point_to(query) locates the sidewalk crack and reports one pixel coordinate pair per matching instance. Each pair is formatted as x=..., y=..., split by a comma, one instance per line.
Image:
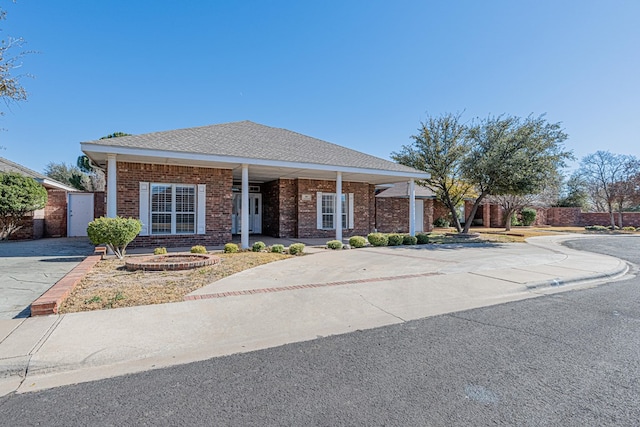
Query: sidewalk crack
x=382, y=309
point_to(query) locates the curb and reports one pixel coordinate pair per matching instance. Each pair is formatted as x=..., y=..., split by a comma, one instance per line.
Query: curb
x=49, y=302
x=609, y=275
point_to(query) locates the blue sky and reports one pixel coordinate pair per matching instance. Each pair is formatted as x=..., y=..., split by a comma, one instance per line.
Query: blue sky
x=359, y=73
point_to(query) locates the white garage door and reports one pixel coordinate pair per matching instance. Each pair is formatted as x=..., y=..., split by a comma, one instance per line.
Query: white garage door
x=80, y=213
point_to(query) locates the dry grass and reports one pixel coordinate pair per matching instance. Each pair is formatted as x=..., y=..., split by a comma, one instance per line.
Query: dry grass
x=110, y=285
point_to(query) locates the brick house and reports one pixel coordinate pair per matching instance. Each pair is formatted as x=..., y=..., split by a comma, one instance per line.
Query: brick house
x=50, y=221
x=202, y=185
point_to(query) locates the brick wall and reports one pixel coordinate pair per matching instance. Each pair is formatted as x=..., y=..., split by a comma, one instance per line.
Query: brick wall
x=218, y=200
x=99, y=204
x=392, y=215
x=55, y=214
x=363, y=194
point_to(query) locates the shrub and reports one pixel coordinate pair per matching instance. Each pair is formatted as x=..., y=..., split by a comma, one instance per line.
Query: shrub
x=378, y=239
x=279, y=249
x=629, y=228
x=116, y=233
x=357, y=241
x=595, y=228
x=395, y=239
x=422, y=238
x=198, y=249
x=160, y=251
x=334, y=244
x=19, y=195
x=441, y=222
x=258, y=247
x=528, y=216
x=296, y=249
x=409, y=240
x=514, y=220
x=230, y=248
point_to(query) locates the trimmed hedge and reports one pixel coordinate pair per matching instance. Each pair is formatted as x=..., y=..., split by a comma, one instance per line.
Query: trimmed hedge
x=230, y=248
x=334, y=244
x=409, y=240
x=296, y=249
x=258, y=247
x=278, y=249
x=378, y=239
x=198, y=249
x=422, y=238
x=395, y=239
x=357, y=242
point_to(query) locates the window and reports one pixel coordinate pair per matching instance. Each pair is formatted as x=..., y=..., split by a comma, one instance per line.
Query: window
x=327, y=211
x=173, y=209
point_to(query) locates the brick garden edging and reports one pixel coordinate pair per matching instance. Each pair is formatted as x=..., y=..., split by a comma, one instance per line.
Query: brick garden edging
x=50, y=301
x=309, y=286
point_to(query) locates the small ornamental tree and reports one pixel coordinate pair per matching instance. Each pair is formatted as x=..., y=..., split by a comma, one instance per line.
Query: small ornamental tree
x=19, y=195
x=116, y=233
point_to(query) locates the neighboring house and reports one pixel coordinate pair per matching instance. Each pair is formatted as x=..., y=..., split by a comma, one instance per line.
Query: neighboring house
x=392, y=208
x=201, y=185
x=50, y=221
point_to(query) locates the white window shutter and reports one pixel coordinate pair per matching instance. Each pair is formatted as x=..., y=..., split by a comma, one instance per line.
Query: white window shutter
x=319, y=210
x=144, y=208
x=201, y=209
x=350, y=207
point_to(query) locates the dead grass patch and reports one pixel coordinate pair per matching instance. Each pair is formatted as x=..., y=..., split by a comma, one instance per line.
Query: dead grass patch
x=110, y=285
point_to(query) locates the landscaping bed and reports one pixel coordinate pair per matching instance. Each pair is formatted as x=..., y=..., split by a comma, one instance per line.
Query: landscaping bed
x=110, y=285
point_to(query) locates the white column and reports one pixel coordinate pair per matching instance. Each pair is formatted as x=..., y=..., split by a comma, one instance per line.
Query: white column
x=244, y=220
x=339, y=206
x=112, y=187
x=412, y=207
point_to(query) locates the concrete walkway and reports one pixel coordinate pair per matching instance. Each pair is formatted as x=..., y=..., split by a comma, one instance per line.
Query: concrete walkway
x=299, y=299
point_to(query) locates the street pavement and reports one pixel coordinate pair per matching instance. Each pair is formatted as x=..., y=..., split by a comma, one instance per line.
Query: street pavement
x=327, y=293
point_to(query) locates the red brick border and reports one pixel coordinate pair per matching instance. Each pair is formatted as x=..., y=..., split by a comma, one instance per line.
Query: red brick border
x=309, y=286
x=50, y=301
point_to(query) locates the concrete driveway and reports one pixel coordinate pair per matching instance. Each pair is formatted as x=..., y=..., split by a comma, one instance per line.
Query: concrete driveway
x=29, y=268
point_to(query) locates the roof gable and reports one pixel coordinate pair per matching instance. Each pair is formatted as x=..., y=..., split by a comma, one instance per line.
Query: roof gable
x=7, y=166
x=247, y=139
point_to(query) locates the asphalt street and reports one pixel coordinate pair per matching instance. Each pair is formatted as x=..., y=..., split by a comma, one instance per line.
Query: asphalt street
x=570, y=358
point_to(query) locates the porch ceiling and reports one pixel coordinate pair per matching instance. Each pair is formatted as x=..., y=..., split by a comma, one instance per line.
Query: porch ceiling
x=259, y=170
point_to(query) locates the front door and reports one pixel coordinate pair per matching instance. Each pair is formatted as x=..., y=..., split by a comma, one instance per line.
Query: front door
x=255, y=213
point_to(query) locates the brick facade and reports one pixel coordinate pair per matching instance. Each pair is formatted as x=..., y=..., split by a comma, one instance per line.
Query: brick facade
x=48, y=222
x=392, y=215
x=218, y=200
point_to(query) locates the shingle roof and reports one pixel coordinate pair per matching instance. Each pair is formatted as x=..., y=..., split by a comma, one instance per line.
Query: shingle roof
x=255, y=141
x=8, y=166
x=401, y=190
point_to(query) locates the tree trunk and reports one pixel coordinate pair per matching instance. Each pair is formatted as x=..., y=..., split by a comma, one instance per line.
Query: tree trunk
x=507, y=223
x=611, y=217
x=472, y=214
x=620, y=218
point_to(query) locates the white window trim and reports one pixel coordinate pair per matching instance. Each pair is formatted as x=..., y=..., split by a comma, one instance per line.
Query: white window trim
x=145, y=209
x=349, y=211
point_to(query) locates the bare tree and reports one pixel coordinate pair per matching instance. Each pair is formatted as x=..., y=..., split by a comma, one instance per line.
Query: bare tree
x=604, y=172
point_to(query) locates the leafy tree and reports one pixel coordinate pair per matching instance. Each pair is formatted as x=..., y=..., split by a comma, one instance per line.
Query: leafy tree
x=116, y=135
x=19, y=195
x=95, y=175
x=67, y=174
x=116, y=233
x=607, y=177
x=439, y=149
x=574, y=194
x=512, y=156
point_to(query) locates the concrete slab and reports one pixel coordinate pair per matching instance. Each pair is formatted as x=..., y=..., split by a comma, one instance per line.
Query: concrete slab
x=26, y=338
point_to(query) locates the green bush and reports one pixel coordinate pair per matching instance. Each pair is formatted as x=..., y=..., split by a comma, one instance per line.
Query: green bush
x=258, y=247
x=279, y=249
x=230, y=248
x=422, y=238
x=441, y=222
x=334, y=244
x=515, y=222
x=19, y=195
x=629, y=228
x=378, y=239
x=395, y=239
x=116, y=233
x=528, y=216
x=198, y=249
x=409, y=240
x=357, y=241
x=296, y=249
x=160, y=251
x=596, y=228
